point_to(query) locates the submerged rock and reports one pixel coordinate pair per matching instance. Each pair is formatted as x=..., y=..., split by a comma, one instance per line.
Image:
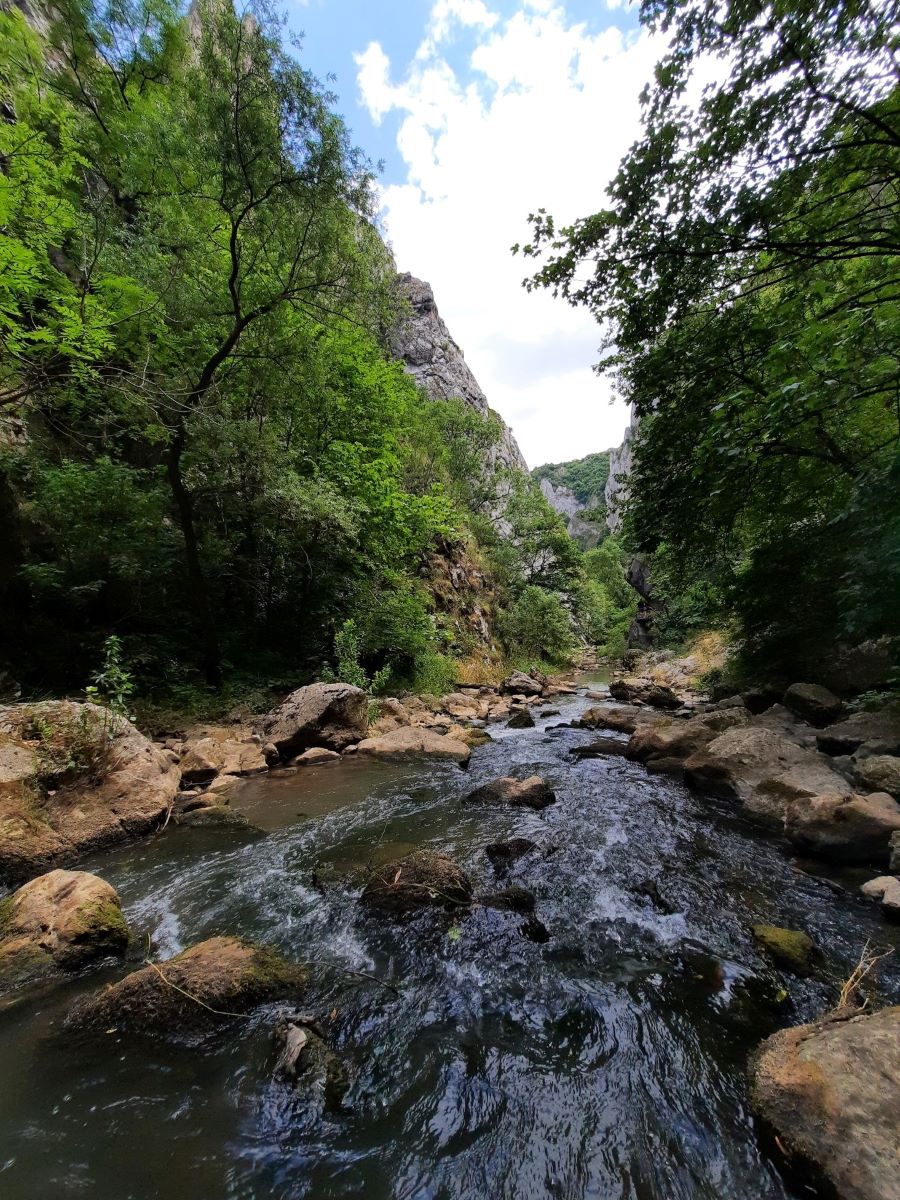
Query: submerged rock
x=831, y=1091
x=203, y=986
x=512, y=899
x=607, y=747
x=74, y=778
x=521, y=720
x=63, y=920
x=532, y=792
x=813, y=703
x=333, y=715
x=503, y=854
x=415, y=743
x=216, y=816
x=789, y=948
x=423, y=879
x=844, y=828
x=306, y=1059
x=886, y=889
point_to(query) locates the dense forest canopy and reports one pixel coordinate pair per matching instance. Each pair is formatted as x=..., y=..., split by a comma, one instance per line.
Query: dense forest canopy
x=207, y=449
x=746, y=273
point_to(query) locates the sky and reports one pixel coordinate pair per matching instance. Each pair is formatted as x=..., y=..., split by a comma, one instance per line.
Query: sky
x=482, y=111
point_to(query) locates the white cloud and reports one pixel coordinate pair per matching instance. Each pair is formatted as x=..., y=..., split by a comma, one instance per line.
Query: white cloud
x=541, y=119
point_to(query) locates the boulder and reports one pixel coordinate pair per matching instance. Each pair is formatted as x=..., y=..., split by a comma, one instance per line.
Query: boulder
x=510, y=899
x=813, y=703
x=894, y=862
x=831, y=1091
x=215, y=816
x=423, y=879
x=844, y=828
x=532, y=792
x=865, y=667
x=206, y=757
x=415, y=743
x=789, y=948
x=63, y=920
x=680, y=739
x=333, y=715
x=878, y=731
x=200, y=988
x=315, y=757
x=503, y=854
x=525, y=685
x=624, y=718
x=521, y=720
x=606, y=747
x=879, y=773
x=90, y=780
x=886, y=889
x=633, y=688
x=763, y=770
x=305, y=1059
x=469, y=736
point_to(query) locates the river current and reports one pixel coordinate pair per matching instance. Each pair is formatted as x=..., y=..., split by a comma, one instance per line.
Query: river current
x=606, y=1062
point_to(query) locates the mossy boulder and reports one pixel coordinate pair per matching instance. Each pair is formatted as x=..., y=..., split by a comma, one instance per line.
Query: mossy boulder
x=423, y=879
x=791, y=949
x=61, y=921
x=521, y=720
x=202, y=987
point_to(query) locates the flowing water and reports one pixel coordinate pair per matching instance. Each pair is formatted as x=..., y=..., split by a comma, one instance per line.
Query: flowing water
x=606, y=1062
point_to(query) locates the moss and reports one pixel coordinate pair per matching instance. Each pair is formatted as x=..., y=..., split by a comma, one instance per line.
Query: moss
x=20, y=963
x=271, y=975
x=789, y=948
x=5, y=913
x=103, y=921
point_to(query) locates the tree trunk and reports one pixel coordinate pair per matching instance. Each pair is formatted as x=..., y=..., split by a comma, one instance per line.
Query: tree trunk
x=200, y=597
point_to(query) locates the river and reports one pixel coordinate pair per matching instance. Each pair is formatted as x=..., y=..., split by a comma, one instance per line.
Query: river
x=606, y=1062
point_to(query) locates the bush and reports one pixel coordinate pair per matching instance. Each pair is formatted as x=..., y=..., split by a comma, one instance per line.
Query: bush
x=538, y=625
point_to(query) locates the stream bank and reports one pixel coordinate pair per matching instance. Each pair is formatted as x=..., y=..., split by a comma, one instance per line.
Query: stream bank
x=608, y=1061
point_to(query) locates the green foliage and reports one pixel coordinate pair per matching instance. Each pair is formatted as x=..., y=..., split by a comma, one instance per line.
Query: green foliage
x=538, y=625
x=434, y=674
x=746, y=273
x=112, y=686
x=586, y=477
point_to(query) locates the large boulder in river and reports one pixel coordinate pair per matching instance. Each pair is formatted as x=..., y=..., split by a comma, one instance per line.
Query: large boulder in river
x=763, y=770
x=520, y=684
x=813, y=703
x=73, y=778
x=423, y=879
x=680, y=739
x=201, y=987
x=831, y=1091
x=850, y=829
x=532, y=792
x=879, y=773
x=415, y=742
x=633, y=689
x=62, y=920
x=333, y=715
x=220, y=752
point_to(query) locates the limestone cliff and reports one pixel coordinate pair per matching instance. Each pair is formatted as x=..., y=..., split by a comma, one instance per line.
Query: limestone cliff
x=423, y=342
x=620, y=461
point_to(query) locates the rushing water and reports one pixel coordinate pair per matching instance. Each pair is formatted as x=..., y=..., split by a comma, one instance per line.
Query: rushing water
x=606, y=1062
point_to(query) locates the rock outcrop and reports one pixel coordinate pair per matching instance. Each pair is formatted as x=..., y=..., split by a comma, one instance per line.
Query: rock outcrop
x=423, y=342
x=61, y=921
x=202, y=987
x=73, y=778
x=331, y=715
x=831, y=1091
x=844, y=828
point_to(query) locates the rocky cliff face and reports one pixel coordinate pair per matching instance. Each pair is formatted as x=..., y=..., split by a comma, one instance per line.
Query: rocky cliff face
x=620, y=461
x=423, y=342
x=561, y=498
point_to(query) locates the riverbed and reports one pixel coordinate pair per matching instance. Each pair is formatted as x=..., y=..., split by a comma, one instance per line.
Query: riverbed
x=605, y=1061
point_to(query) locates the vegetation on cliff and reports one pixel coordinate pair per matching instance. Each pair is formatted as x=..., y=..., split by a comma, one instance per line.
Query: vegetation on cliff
x=206, y=447
x=747, y=270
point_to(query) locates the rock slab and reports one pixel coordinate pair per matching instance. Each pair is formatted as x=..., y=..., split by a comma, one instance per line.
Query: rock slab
x=331, y=715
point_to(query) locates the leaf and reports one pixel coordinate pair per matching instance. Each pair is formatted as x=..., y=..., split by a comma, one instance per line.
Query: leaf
x=454, y=933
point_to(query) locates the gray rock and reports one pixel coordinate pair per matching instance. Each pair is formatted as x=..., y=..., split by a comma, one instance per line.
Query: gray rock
x=532, y=792
x=521, y=720
x=852, y=829
x=877, y=730
x=879, y=773
x=831, y=1091
x=415, y=742
x=518, y=683
x=332, y=715
x=886, y=889
x=813, y=703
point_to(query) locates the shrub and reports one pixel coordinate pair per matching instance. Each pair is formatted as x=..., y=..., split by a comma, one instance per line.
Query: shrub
x=538, y=625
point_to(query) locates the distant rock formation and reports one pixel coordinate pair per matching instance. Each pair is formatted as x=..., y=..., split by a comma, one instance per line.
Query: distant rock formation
x=423, y=342
x=587, y=533
x=620, y=463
